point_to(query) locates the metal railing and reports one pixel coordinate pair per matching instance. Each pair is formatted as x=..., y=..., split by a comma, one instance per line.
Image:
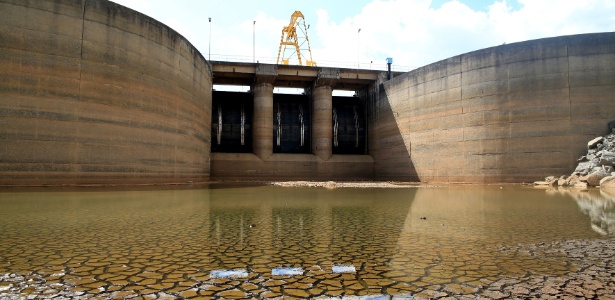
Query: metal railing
x=321, y=63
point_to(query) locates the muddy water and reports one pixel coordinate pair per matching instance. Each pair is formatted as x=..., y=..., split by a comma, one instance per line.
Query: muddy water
x=262, y=242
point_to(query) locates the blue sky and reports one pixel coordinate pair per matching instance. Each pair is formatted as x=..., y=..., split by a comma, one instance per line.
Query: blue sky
x=413, y=32
x=478, y=5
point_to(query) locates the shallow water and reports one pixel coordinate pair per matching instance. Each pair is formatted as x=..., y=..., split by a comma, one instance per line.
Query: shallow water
x=236, y=241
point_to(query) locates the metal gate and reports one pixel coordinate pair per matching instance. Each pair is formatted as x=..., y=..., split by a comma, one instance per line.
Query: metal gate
x=348, y=126
x=292, y=121
x=231, y=128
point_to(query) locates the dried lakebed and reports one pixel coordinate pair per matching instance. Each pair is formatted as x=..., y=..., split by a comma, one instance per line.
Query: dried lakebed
x=593, y=261
x=224, y=242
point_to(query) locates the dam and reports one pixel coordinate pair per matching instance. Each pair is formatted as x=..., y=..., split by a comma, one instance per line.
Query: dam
x=95, y=93
x=314, y=135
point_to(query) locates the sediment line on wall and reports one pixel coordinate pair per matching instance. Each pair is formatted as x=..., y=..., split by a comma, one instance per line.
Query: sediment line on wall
x=81, y=50
x=101, y=122
x=568, y=77
x=512, y=113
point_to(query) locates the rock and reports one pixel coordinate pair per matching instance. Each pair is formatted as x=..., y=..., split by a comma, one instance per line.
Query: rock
x=573, y=179
x=583, y=167
x=545, y=183
x=607, y=158
x=550, y=181
x=608, y=182
x=593, y=179
x=594, y=143
x=330, y=184
x=596, y=164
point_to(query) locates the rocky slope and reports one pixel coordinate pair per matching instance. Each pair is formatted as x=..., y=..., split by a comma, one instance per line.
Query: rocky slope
x=596, y=168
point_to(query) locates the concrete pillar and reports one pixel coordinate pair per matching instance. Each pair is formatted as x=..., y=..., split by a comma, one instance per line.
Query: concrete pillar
x=322, y=127
x=262, y=132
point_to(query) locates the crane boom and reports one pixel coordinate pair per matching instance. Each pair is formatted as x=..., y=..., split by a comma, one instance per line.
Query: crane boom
x=294, y=36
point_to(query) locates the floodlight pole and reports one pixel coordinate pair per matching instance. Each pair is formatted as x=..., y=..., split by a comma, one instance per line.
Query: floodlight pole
x=209, y=40
x=358, y=44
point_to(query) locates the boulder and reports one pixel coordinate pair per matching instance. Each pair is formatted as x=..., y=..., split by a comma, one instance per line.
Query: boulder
x=593, y=179
x=573, y=179
x=596, y=164
x=550, y=181
x=583, y=167
x=607, y=158
x=607, y=182
x=594, y=143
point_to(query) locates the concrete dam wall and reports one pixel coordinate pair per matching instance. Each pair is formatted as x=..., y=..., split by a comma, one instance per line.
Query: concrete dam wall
x=289, y=146
x=93, y=92
x=511, y=113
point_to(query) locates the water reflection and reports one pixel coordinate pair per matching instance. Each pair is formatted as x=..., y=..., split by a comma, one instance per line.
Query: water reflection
x=599, y=205
x=307, y=227
x=263, y=242
x=490, y=214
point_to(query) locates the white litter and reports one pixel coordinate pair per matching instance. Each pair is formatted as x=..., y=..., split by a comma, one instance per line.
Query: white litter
x=286, y=271
x=344, y=269
x=237, y=273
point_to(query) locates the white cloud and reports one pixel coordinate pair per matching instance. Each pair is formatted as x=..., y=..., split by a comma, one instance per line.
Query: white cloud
x=410, y=31
x=415, y=34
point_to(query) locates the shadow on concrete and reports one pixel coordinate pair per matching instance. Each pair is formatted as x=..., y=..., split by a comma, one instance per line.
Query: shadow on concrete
x=392, y=154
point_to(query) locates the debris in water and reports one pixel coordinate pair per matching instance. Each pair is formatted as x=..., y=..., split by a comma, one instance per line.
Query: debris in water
x=344, y=269
x=286, y=271
x=237, y=273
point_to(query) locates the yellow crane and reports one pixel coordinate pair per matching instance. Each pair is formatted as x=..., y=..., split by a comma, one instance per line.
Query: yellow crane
x=296, y=42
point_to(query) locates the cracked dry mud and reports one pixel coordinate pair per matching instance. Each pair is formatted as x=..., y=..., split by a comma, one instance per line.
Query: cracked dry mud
x=181, y=246
x=589, y=273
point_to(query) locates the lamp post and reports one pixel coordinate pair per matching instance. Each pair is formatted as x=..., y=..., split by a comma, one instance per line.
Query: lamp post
x=209, y=40
x=254, y=42
x=358, y=45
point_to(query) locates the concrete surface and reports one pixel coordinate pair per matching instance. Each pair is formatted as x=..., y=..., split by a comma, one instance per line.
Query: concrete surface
x=512, y=113
x=93, y=92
